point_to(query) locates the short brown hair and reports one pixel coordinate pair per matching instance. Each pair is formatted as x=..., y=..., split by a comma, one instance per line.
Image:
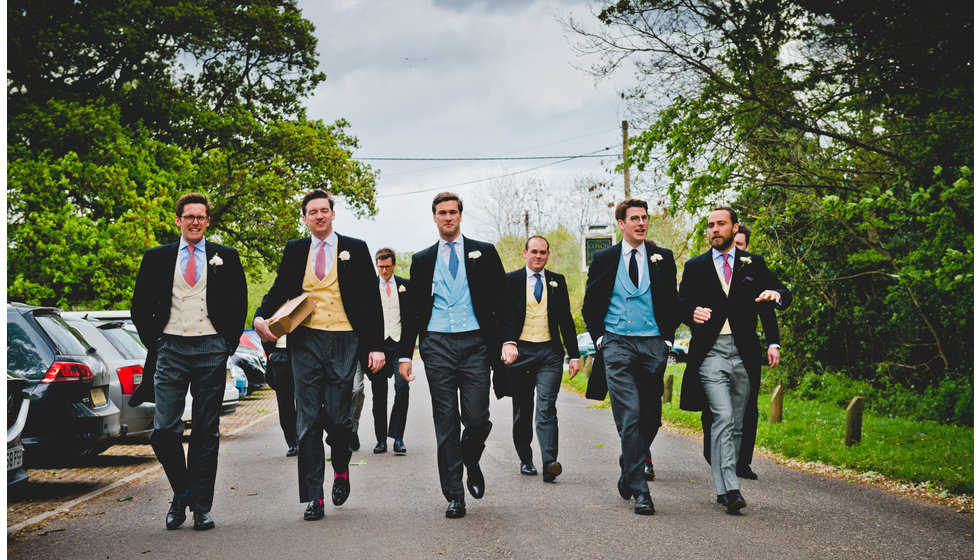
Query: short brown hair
x=444, y=197
x=315, y=194
x=731, y=214
x=193, y=198
x=746, y=231
x=547, y=245
x=385, y=253
x=625, y=205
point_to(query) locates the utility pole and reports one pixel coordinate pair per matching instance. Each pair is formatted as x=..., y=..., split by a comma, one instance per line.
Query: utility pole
x=626, y=162
x=527, y=225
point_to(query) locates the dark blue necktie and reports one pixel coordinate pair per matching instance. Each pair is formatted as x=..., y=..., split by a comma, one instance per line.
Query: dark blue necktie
x=538, y=286
x=634, y=270
x=453, y=259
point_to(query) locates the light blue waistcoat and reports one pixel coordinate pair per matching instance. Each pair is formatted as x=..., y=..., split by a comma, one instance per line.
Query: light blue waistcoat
x=452, y=308
x=630, y=308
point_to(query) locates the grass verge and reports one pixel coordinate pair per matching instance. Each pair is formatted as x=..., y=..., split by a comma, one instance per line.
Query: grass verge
x=922, y=452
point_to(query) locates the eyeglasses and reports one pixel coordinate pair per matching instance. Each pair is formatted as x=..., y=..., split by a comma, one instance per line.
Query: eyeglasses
x=638, y=219
x=192, y=219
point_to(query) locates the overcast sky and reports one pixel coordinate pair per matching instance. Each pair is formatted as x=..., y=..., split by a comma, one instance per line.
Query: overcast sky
x=441, y=78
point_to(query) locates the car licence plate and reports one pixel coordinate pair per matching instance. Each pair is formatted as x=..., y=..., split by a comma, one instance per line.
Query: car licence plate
x=98, y=396
x=15, y=458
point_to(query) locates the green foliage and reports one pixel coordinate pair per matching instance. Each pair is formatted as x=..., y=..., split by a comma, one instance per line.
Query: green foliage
x=918, y=451
x=115, y=109
x=843, y=134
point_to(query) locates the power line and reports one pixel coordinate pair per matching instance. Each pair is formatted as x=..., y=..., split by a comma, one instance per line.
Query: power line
x=476, y=158
x=567, y=158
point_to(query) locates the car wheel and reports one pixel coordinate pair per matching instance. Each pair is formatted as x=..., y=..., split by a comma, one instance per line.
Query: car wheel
x=671, y=359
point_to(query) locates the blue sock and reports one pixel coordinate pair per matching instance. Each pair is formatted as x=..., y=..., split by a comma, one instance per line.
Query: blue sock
x=398, y=440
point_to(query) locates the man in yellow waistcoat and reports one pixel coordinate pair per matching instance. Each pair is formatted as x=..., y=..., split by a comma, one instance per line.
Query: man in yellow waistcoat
x=345, y=327
x=538, y=319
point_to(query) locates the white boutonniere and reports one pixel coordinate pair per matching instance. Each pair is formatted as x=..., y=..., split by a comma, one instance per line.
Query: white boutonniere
x=474, y=254
x=402, y=289
x=745, y=260
x=344, y=255
x=553, y=284
x=656, y=257
x=215, y=262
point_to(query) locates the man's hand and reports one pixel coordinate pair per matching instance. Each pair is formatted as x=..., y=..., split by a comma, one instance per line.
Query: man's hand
x=262, y=327
x=508, y=352
x=573, y=367
x=376, y=361
x=405, y=370
x=701, y=314
x=773, y=354
x=769, y=295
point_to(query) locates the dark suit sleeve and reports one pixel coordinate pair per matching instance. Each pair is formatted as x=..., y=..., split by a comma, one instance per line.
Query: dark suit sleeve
x=279, y=292
x=496, y=278
x=371, y=316
x=667, y=299
x=686, y=295
x=566, y=325
x=238, y=296
x=770, y=282
x=769, y=325
x=414, y=298
x=507, y=316
x=594, y=303
x=141, y=306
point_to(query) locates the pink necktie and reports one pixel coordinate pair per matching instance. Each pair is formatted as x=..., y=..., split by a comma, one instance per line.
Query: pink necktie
x=190, y=271
x=320, y=268
x=388, y=287
x=727, y=269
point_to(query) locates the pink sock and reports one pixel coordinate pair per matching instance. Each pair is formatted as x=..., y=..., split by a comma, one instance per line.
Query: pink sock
x=342, y=475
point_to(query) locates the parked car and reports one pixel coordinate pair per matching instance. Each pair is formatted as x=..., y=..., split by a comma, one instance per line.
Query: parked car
x=18, y=404
x=250, y=359
x=124, y=356
x=678, y=353
x=70, y=411
x=229, y=401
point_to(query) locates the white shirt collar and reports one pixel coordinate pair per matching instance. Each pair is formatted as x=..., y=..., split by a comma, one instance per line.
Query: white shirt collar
x=641, y=251
x=716, y=254
x=330, y=242
x=531, y=273
x=458, y=241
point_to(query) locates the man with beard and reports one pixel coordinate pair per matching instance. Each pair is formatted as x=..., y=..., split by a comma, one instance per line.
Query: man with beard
x=750, y=422
x=630, y=310
x=721, y=294
x=344, y=328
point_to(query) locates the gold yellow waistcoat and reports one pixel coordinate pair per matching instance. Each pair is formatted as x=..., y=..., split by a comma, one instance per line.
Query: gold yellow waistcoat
x=329, y=314
x=536, y=316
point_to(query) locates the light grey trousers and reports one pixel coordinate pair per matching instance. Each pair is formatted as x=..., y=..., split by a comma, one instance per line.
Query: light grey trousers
x=726, y=385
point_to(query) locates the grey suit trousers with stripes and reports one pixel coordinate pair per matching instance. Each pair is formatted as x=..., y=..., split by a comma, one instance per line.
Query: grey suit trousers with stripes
x=324, y=363
x=200, y=362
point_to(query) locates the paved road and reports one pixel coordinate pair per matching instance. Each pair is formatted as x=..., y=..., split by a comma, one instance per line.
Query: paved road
x=397, y=511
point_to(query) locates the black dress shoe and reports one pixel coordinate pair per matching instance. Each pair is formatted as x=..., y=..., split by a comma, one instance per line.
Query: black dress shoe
x=734, y=501
x=314, y=511
x=292, y=451
x=720, y=499
x=622, y=486
x=355, y=442
x=382, y=447
x=745, y=472
x=203, y=521
x=648, y=470
x=475, y=482
x=551, y=471
x=341, y=490
x=456, y=508
x=644, y=504
x=176, y=516
x=528, y=469
x=398, y=447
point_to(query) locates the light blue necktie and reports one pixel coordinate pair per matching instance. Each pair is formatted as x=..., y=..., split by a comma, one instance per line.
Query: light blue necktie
x=453, y=259
x=538, y=286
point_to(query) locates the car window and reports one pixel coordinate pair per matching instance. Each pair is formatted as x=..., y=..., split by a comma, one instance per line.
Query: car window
x=124, y=343
x=27, y=353
x=68, y=340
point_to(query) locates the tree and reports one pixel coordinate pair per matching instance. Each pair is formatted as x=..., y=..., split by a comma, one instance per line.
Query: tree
x=843, y=132
x=116, y=108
